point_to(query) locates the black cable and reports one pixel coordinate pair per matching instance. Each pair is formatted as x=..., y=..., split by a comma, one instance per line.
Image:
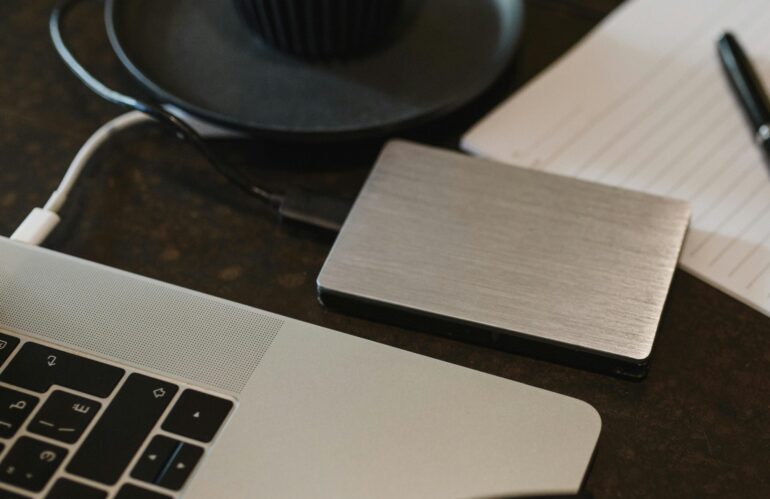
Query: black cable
x=182, y=129
x=300, y=205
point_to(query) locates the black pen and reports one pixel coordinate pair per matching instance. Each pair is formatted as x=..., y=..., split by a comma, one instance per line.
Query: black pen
x=747, y=86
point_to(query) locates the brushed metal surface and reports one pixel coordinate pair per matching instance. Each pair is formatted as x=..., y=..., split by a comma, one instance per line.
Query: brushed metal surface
x=544, y=256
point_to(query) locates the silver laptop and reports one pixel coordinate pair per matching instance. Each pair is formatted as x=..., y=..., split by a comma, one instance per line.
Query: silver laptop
x=116, y=385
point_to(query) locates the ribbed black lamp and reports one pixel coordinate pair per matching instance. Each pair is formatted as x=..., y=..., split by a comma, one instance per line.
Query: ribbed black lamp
x=321, y=29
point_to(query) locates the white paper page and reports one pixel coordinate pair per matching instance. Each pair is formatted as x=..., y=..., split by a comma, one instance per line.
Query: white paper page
x=642, y=103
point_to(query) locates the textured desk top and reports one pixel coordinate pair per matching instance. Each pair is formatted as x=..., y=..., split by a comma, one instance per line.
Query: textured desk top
x=698, y=426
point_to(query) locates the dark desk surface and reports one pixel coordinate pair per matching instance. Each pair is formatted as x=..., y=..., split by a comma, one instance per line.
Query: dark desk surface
x=698, y=426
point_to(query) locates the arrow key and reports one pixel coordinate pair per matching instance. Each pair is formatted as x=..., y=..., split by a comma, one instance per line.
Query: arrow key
x=180, y=466
x=154, y=458
x=197, y=415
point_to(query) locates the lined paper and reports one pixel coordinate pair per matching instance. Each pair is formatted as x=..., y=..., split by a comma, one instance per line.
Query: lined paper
x=642, y=103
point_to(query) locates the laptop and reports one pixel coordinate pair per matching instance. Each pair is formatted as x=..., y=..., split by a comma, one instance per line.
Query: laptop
x=116, y=385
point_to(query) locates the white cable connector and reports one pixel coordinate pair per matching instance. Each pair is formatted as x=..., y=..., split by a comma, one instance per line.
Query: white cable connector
x=41, y=221
x=36, y=227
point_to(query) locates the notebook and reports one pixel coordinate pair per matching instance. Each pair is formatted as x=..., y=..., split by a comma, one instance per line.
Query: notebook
x=642, y=103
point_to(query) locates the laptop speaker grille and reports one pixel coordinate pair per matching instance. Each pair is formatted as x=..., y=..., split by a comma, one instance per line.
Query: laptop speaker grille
x=132, y=319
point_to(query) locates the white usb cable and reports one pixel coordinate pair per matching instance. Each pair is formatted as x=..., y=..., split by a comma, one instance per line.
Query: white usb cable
x=41, y=221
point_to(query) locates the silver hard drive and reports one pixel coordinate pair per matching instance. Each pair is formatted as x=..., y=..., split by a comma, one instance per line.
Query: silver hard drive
x=562, y=268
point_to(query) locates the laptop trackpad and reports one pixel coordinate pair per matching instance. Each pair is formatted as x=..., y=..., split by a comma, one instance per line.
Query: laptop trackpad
x=331, y=415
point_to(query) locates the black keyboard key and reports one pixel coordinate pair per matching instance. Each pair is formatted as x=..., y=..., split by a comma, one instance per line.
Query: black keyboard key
x=64, y=417
x=130, y=491
x=167, y=462
x=197, y=415
x=7, y=345
x=67, y=489
x=179, y=467
x=154, y=458
x=122, y=429
x=37, y=367
x=7, y=494
x=14, y=409
x=30, y=463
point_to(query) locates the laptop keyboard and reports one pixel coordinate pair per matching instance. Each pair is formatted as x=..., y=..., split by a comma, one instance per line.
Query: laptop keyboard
x=74, y=427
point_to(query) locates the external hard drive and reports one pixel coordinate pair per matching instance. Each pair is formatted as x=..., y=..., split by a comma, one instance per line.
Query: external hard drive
x=523, y=260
